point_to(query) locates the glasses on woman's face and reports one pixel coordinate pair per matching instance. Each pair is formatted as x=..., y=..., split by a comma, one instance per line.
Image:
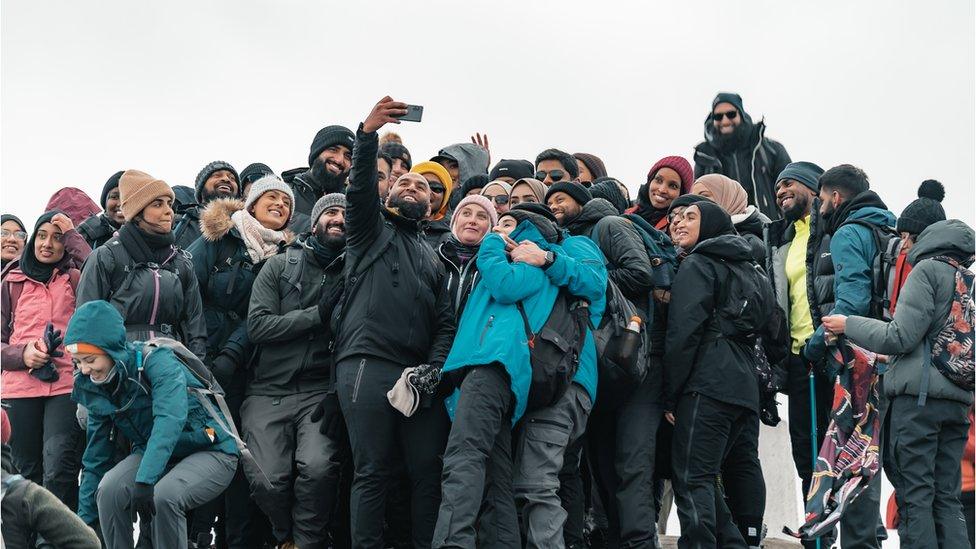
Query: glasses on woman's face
x=19, y=235
x=499, y=199
x=556, y=175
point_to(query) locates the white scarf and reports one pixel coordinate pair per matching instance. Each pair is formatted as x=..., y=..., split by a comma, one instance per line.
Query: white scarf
x=261, y=242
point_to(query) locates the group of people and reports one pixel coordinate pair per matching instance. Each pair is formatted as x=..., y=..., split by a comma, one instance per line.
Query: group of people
x=416, y=354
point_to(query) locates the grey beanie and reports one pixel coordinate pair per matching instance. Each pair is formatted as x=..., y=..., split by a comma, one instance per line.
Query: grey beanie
x=270, y=182
x=324, y=203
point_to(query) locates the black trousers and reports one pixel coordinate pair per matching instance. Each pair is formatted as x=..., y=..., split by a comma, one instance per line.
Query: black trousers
x=46, y=443
x=742, y=480
x=382, y=442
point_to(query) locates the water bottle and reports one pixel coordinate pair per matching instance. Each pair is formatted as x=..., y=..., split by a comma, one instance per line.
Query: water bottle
x=629, y=340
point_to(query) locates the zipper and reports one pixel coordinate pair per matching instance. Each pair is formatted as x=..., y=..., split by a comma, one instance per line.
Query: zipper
x=752, y=172
x=359, y=379
x=549, y=422
x=155, y=309
x=484, y=332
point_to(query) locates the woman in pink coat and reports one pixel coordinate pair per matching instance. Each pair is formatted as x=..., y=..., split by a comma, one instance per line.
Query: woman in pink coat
x=37, y=372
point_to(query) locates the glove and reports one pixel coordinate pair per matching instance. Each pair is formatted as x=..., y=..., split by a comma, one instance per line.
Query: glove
x=329, y=413
x=47, y=373
x=425, y=378
x=223, y=369
x=53, y=340
x=142, y=500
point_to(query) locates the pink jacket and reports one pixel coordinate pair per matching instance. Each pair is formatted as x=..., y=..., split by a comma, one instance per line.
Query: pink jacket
x=37, y=305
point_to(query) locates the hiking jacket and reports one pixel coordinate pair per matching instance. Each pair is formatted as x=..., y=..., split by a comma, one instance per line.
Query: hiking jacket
x=755, y=164
x=30, y=511
x=25, y=316
x=778, y=237
x=851, y=256
x=187, y=227
x=283, y=321
x=154, y=300
x=491, y=328
x=399, y=311
x=96, y=230
x=921, y=314
x=460, y=279
x=436, y=232
x=696, y=356
x=751, y=226
x=307, y=192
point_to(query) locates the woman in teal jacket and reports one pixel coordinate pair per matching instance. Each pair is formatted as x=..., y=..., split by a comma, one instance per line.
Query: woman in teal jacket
x=491, y=352
x=181, y=458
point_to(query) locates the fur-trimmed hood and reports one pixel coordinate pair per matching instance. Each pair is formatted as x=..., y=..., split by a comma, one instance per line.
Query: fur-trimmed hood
x=215, y=221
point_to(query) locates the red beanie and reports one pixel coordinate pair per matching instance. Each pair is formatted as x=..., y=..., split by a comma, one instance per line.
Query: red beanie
x=678, y=164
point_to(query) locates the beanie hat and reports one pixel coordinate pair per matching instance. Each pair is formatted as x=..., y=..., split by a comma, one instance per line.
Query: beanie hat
x=253, y=172
x=138, y=189
x=477, y=200
x=592, y=163
x=267, y=183
x=806, y=173
x=678, y=164
x=11, y=217
x=725, y=191
x=324, y=203
x=330, y=136
x=608, y=189
x=445, y=178
x=112, y=183
x=575, y=191
x=397, y=150
x=686, y=200
x=209, y=170
x=477, y=181
x=516, y=169
x=538, y=188
x=925, y=210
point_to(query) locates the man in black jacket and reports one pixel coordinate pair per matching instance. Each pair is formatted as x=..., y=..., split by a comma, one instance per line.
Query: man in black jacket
x=395, y=315
x=738, y=148
x=217, y=179
x=288, y=314
x=329, y=156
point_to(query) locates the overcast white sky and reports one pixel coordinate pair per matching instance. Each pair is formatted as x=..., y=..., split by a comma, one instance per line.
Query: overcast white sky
x=90, y=88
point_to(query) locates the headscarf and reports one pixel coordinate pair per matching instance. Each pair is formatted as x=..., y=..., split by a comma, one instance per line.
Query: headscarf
x=726, y=192
x=714, y=221
x=538, y=188
x=29, y=264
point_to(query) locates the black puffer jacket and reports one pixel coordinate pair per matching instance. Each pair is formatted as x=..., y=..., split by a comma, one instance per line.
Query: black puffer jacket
x=155, y=300
x=755, y=163
x=697, y=358
x=284, y=321
x=96, y=230
x=627, y=261
x=820, y=267
x=400, y=311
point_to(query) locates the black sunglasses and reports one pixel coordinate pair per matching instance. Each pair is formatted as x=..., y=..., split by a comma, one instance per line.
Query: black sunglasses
x=500, y=199
x=556, y=175
x=436, y=189
x=732, y=115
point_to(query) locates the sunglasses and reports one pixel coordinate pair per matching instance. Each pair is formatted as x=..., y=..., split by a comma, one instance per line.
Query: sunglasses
x=436, y=189
x=556, y=175
x=21, y=235
x=500, y=199
x=731, y=115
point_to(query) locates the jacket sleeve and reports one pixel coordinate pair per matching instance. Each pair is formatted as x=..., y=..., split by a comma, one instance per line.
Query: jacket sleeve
x=363, y=218
x=266, y=322
x=579, y=268
x=56, y=523
x=852, y=256
x=624, y=250
x=11, y=356
x=692, y=304
x=95, y=282
x=169, y=410
x=194, y=325
x=507, y=282
x=96, y=461
x=913, y=317
x=446, y=326
x=202, y=255
x=77, y=248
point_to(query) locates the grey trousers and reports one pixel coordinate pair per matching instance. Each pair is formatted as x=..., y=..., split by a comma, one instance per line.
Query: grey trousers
x=477, y=477
x=301, y=463
x=546, y=435
x=193, y=481
x=927, y=444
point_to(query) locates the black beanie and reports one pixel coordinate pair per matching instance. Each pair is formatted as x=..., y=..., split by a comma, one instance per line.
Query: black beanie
x=575, y=190
x=714, y=221
x=253, y=172
x=687, y=200
x=397, y=150
x=607, y=189
x=516, y=169
x=11, y=217
x=476, y=181
x=112, y=183
x=925, y=210
x=209, y=170
x=330, y=136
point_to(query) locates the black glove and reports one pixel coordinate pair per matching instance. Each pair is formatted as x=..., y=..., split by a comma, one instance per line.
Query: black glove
x=425, y=378
x=53, y=340
x=142, y=500
x=223, y=369
x=47, y=373
x=329, y=413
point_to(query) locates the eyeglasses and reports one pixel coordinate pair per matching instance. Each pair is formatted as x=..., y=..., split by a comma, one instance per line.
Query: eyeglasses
x=436, y=189
x=19, y=235
x=556, y=175
x=500, y=199
x=731, y=115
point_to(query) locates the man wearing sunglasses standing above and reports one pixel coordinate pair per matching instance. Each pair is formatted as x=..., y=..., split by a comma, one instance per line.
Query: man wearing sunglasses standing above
x=738, y=148
x=554, y=165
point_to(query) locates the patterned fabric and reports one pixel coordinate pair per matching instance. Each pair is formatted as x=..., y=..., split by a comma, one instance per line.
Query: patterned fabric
x=952, y=350
x=260, y=241
x=849, y=457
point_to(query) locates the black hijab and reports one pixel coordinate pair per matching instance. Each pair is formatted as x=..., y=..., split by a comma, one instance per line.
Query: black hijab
x=714, y=221
x=29, y=264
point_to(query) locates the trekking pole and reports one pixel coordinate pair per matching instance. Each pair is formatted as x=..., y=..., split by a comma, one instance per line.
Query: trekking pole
x=813, y=429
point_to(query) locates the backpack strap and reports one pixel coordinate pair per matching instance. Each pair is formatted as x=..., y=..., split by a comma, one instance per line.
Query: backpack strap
x=294, y=264
x=923, y=390
x=529, y=335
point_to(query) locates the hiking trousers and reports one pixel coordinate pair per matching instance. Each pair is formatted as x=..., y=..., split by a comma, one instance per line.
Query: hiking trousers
x=300, y=462
x=743, y=483
x=477, y=478
x=927, y=444
x=384, y=442
x=546, y=436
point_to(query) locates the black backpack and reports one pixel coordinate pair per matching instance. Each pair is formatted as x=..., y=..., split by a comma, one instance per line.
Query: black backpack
x=620, y=372
x=555, y=350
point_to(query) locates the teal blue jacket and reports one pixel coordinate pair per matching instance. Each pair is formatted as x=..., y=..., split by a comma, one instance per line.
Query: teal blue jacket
x=491, y=328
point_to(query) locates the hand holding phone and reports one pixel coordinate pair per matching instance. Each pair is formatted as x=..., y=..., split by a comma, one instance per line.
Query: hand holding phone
x=414, y=114
x=385, y=111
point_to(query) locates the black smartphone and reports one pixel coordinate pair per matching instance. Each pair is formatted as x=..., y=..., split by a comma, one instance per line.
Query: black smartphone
x=414, y=113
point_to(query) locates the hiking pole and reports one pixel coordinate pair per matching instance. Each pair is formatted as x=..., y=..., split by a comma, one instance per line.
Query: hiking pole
x=813, y=428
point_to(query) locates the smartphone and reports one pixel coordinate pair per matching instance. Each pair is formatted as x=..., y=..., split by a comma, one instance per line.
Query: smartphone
x=414, y=113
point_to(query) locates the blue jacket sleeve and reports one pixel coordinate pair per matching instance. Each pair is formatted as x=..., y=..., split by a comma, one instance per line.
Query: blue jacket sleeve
x=579, y=267
x=169, y=409
x=96, y=461
x=852, y=252
x=507, y=282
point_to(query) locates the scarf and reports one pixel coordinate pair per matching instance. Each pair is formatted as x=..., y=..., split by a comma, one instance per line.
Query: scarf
x=324, y=254
x=260, y=241
x=462, y=252
x=145, y=247
x=29, y=264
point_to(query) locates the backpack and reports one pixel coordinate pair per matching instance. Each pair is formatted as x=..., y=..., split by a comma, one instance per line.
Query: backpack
x=555, y=350
x=620, y=374
x=952, y=350
x=660, y=250
x=887, y=242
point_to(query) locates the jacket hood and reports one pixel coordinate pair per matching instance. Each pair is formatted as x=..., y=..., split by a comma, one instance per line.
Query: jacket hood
x=471, y=159
x=74, y=203
x=593, y=211
x=952, y=237
x=185, y=196
x=216, y=223
x=751, y=222
x=100, y=324
x=866, y=206
x=527, y=230
x=729, y=247
x=746, y=132
x=606, y=188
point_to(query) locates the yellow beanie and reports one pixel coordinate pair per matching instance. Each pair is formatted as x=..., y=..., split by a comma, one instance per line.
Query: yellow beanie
x=444, y=177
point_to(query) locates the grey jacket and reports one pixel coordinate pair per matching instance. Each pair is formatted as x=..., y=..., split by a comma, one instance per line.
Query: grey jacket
x=923, y=307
